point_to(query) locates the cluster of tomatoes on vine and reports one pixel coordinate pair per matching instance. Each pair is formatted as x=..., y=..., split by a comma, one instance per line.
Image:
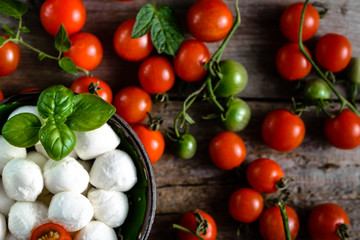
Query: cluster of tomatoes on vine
x=294, y=62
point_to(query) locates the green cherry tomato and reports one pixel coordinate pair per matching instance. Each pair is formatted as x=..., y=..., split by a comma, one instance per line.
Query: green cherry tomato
x=186, y=146
x=353, y=70
x=316, y=89
x=234, y=78
x=237, y=115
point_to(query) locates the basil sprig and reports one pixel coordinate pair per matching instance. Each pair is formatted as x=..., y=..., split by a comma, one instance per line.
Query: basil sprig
x=166, y=34
x=63, y=113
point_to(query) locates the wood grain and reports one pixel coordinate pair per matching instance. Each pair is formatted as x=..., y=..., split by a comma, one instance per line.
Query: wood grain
x=318, y=172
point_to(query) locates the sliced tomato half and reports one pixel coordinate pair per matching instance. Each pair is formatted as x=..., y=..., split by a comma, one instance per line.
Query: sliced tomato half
x=50, y=231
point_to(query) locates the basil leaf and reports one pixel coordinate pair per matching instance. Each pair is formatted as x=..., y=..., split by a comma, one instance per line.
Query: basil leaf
x=22, y=130
x=62, y=42
x=13, y=8
x=57, y=138
x=90, y=112
x=55, y=100
x=68, y=65
x=143, y=21
x=165, y=31
x=10, y=32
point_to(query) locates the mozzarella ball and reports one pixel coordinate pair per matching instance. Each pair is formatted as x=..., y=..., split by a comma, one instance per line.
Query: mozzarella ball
x=24, y=217
x=3, y=228
x=40, y=148
x=114, y=171
x=91, y=144
x=65, y=175
x=110, y=207
x=5, y=201
x=37, y=158
x=26, y=109
x=23, y=180
x=71, y=210
x=96, y=230
x=9, y=152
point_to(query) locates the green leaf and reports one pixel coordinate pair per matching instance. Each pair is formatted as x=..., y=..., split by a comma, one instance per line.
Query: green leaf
x=10, y=32
x=62, y=42
x=56, y=101
x=41, y=56
x=22, y=130
x=90, y=112
x=25, y=29
x=57, y=138
x=13, y=8
x=68, y=65
x=165, y=31
x=143, y=22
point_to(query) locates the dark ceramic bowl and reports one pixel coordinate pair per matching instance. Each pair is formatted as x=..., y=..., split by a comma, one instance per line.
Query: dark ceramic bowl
x=142, y=197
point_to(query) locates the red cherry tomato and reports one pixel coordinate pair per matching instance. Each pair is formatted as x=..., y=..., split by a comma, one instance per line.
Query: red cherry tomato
x=132, y=104
x=9, y=57
x=1, y=95
x=156, y=75
x=70, y=13
x=246, y=205
x=271, y=224
x=291, y=63
x=189, y=60
x=333, y=52
x=189, y=221
x=48, y=230
x=153, y=141
x=263, y=174
x=227, y=150
x=290, y=22
x=343, y=131
x=86, y=50
x=324, y=221
x=282, y=130
x=209, y=21
x=131, y=49
x=29, y=90
x=82, y=84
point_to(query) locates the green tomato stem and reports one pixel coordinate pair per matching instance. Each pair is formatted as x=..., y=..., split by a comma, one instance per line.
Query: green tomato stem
x=285, y=219
x=19, y=28
x=176, y=226
x=36, y=50
x=344, y=102
x=212, y=95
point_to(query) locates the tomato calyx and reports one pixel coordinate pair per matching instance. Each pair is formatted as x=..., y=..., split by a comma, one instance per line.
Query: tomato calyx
x=343, y=231
x=94, y=87
x=154, y=122
x=201, y=226
x=322, y=8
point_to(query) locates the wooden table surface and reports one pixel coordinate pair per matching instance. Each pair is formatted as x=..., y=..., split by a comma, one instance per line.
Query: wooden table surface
x=318, y=172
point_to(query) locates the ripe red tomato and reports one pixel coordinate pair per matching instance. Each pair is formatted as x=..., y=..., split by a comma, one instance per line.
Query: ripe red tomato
x=1, y=95
x=189, y=60
x=209, y=21
x=9, y=57
x=70, y=13
x=290, y=22
x=246, y=205
x=324, y=221
x=343, y=131
x=291, y=63
x=156, y=75
x=189, y=221
x=263, y=174
x=131, y=49
x=47, y=231
x=153, y=141
x=82, y=84
x=86, y=50
x=132, y=103
x=271, y=224
x=227, y=150
x=29, y=90
x=282, y=130
x=333, y=52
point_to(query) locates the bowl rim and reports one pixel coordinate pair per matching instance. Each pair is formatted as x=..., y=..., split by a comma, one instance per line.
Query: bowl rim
x=145, y=228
